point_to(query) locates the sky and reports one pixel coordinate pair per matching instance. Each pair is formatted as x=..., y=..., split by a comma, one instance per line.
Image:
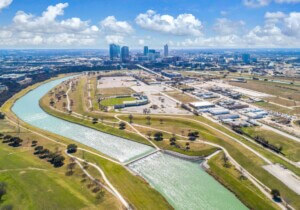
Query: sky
x=94, y=24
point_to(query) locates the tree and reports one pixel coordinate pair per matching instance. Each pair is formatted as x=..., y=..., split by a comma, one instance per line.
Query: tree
x=2, y=116
x=122, y=125
x=187, y=145
x=95, y=120
x=44, y=153
x=52, y=102
x=193, y=135
x=33, y=143
x=100, y=195
x=72, y=148
x=70, y=168
x=58, y=160
x=148, y=118
x=276, y=194
x=226, y=161
x=158, y=136
x=38, y=149
x=2, y=189
x=15, y=142
x=130, y=118
x=172, y=140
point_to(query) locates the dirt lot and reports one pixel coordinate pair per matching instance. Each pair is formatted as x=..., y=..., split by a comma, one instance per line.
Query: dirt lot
x=282, y=101
x=283, y=90
x=184, y=98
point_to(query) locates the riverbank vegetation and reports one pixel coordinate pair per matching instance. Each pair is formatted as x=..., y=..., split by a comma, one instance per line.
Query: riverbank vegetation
x=207, y=130
x=147, y=195
x=32, y=183
x=237, y=182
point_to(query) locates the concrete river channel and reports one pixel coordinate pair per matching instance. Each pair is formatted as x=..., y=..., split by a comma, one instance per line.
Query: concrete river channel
x=184, y=184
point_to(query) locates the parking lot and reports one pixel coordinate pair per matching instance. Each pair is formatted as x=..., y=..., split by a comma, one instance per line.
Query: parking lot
x=160, y=103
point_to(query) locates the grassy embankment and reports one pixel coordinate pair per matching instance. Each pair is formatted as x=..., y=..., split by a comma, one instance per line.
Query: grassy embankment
x=290, y=148
x=147, y=198
x=134, y=188
x=33, y=183
x=245, y=157
x=237, y=183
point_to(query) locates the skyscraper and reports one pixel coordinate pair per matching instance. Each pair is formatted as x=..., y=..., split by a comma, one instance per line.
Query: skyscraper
x=114, y=51
x=166, y=50
x=125, y=54
x=246, y=58
x=146, y=50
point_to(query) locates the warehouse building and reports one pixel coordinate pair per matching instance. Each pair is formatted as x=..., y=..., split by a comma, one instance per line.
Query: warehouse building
x=218, y=111
x=228, y=116
x=201, y=105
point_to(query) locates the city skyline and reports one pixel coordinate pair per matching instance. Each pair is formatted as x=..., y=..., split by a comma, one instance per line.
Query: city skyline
x=205, y=24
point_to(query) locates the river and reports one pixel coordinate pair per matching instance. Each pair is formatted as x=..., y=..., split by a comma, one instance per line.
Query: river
x=184, y=184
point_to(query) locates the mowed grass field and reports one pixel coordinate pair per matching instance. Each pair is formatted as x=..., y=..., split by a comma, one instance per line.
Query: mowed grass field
x=287, y=91
x=116, y=91
x=33, y=183
x=115, y=101
x=290, y=148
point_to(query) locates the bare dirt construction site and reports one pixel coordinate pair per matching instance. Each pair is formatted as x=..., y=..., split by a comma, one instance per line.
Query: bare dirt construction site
x=159, y=101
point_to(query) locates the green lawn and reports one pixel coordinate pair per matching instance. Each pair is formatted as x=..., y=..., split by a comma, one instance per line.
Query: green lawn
x=290, y=148
x=243, y=156
x=115, y=101
x=47, y=188
x=243, y=188
x=246, y=158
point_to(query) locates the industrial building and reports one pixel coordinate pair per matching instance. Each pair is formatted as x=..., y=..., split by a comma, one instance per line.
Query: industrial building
x=201, y=105
x=218, y=111
x=228, y=116
x=141, y=100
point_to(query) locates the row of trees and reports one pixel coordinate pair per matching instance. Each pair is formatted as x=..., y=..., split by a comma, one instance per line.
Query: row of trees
x=11, y=140
x=259, y=139
x=55, y=158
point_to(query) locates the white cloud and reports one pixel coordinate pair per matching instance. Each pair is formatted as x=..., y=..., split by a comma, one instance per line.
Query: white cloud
x=225, y=26
x=111, y=25
x=262, y=3
x=183, y=24
x=45, y=30
x=5, y=3
x=279, y=30
x=116, y=39
x=141, y=41
x=292, y=24
x=287, y=1
x=256, y=3
x=274, y=15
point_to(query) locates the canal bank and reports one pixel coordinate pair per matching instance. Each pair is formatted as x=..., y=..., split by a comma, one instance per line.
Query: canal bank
x=180, y=189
